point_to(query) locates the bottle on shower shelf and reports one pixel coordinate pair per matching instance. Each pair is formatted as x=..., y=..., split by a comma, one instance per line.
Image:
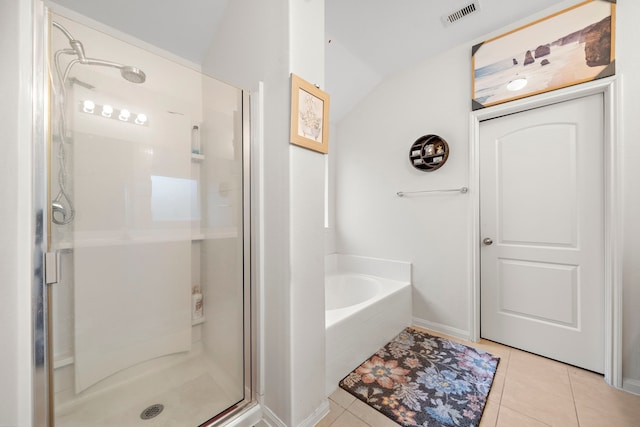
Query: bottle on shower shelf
x=197, y=309
x=195, y=140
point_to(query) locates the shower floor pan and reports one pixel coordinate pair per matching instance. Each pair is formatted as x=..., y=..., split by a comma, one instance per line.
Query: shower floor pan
x=188, y=392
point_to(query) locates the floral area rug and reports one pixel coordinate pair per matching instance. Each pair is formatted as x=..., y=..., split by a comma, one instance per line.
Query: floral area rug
x=421, y=380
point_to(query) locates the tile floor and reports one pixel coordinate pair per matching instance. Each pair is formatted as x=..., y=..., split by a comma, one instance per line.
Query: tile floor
x=528, y=391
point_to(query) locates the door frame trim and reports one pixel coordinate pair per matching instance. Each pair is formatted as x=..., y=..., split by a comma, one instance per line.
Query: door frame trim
x=610, y=88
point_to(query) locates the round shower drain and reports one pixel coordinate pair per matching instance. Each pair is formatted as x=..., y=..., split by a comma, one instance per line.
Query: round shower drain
x=152, y=411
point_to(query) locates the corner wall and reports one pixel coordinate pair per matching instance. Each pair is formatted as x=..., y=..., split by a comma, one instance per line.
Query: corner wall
x=263, y=42
x=250, y=46
x=628, y=67
x=431, y=231
x=307, y=234
x=8, y=173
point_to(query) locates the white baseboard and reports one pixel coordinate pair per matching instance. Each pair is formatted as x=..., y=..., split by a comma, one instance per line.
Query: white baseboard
x=317, y=415
x=631, y=385
x=272, y=420
x=443, y=329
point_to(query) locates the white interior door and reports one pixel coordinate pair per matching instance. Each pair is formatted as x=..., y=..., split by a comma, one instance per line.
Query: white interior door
x=542, y=231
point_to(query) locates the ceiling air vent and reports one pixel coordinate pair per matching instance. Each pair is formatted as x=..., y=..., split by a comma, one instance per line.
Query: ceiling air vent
x=463, y=12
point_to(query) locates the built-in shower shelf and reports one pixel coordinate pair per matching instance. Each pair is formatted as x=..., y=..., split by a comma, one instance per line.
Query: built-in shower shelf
x=216, y=233
x=195, y=322
x=64, y=246
x=197, y=157
x=62, y=361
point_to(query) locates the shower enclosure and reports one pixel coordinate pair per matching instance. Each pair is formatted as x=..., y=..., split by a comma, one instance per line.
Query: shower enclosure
x=148, y=300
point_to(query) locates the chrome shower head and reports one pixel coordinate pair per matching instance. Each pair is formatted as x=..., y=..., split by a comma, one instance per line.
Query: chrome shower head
x=133, y=74
x=128, y=72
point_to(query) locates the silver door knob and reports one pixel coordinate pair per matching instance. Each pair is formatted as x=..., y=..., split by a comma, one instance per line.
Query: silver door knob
x=487, y=241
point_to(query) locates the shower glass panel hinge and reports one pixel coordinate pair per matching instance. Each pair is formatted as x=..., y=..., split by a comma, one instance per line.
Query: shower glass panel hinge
x=51, y=263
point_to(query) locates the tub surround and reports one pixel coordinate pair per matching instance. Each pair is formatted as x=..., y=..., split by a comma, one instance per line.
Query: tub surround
x=354, y=332
x=383, y=268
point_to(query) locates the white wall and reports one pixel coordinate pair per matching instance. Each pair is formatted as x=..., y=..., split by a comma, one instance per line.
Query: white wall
x=628, y=63
x=306, y=184
x=373, y=164
x=431, y=232
x=8, y=257
x=15, y=217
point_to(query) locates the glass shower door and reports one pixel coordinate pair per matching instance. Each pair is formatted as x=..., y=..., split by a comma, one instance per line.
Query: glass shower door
x=149, y=314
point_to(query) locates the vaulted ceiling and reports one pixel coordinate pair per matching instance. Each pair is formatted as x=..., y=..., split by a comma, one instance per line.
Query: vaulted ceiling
x=369, y=39
x=366, y=39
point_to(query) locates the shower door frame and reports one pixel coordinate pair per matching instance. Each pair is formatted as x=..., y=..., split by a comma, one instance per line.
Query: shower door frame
x=41, y=365
x=45, y=262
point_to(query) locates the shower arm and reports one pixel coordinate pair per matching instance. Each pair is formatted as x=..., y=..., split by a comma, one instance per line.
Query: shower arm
x=130, y=73
x=77, y=49
x=63, y=29
x=89, y=61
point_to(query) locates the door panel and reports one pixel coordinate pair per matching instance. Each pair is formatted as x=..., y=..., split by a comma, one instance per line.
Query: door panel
x=541, y=203
x=538, y=291
x=550, y=197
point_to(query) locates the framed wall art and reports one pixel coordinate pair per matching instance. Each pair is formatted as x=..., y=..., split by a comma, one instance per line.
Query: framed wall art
x=309, y=116
x=570, y=47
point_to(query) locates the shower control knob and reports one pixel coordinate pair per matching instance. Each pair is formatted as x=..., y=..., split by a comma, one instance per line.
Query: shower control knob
x=487, y=241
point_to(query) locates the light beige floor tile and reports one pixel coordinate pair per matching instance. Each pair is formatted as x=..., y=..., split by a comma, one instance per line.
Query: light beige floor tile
x=370, y=415
x=510, y=418
x=521, y=361
x=597, y=403
x=544, y=398
x=503, y=366
x=496, y=388
x=497, y=349
x=591, y=388
x=347, y=419
x=342, y=398
x=606, y=417
x=540, y=374
x=490, y=414
x=335, y=411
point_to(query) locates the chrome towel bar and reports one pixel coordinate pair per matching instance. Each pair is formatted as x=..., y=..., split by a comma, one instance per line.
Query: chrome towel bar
x=453, y=190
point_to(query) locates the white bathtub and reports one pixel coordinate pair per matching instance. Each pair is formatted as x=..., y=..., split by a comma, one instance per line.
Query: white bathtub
x=363, y=311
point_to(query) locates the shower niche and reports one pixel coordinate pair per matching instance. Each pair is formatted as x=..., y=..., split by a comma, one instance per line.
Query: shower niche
x=139, y=221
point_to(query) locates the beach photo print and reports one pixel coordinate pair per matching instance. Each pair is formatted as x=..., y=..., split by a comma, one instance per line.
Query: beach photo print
x=573, y=46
